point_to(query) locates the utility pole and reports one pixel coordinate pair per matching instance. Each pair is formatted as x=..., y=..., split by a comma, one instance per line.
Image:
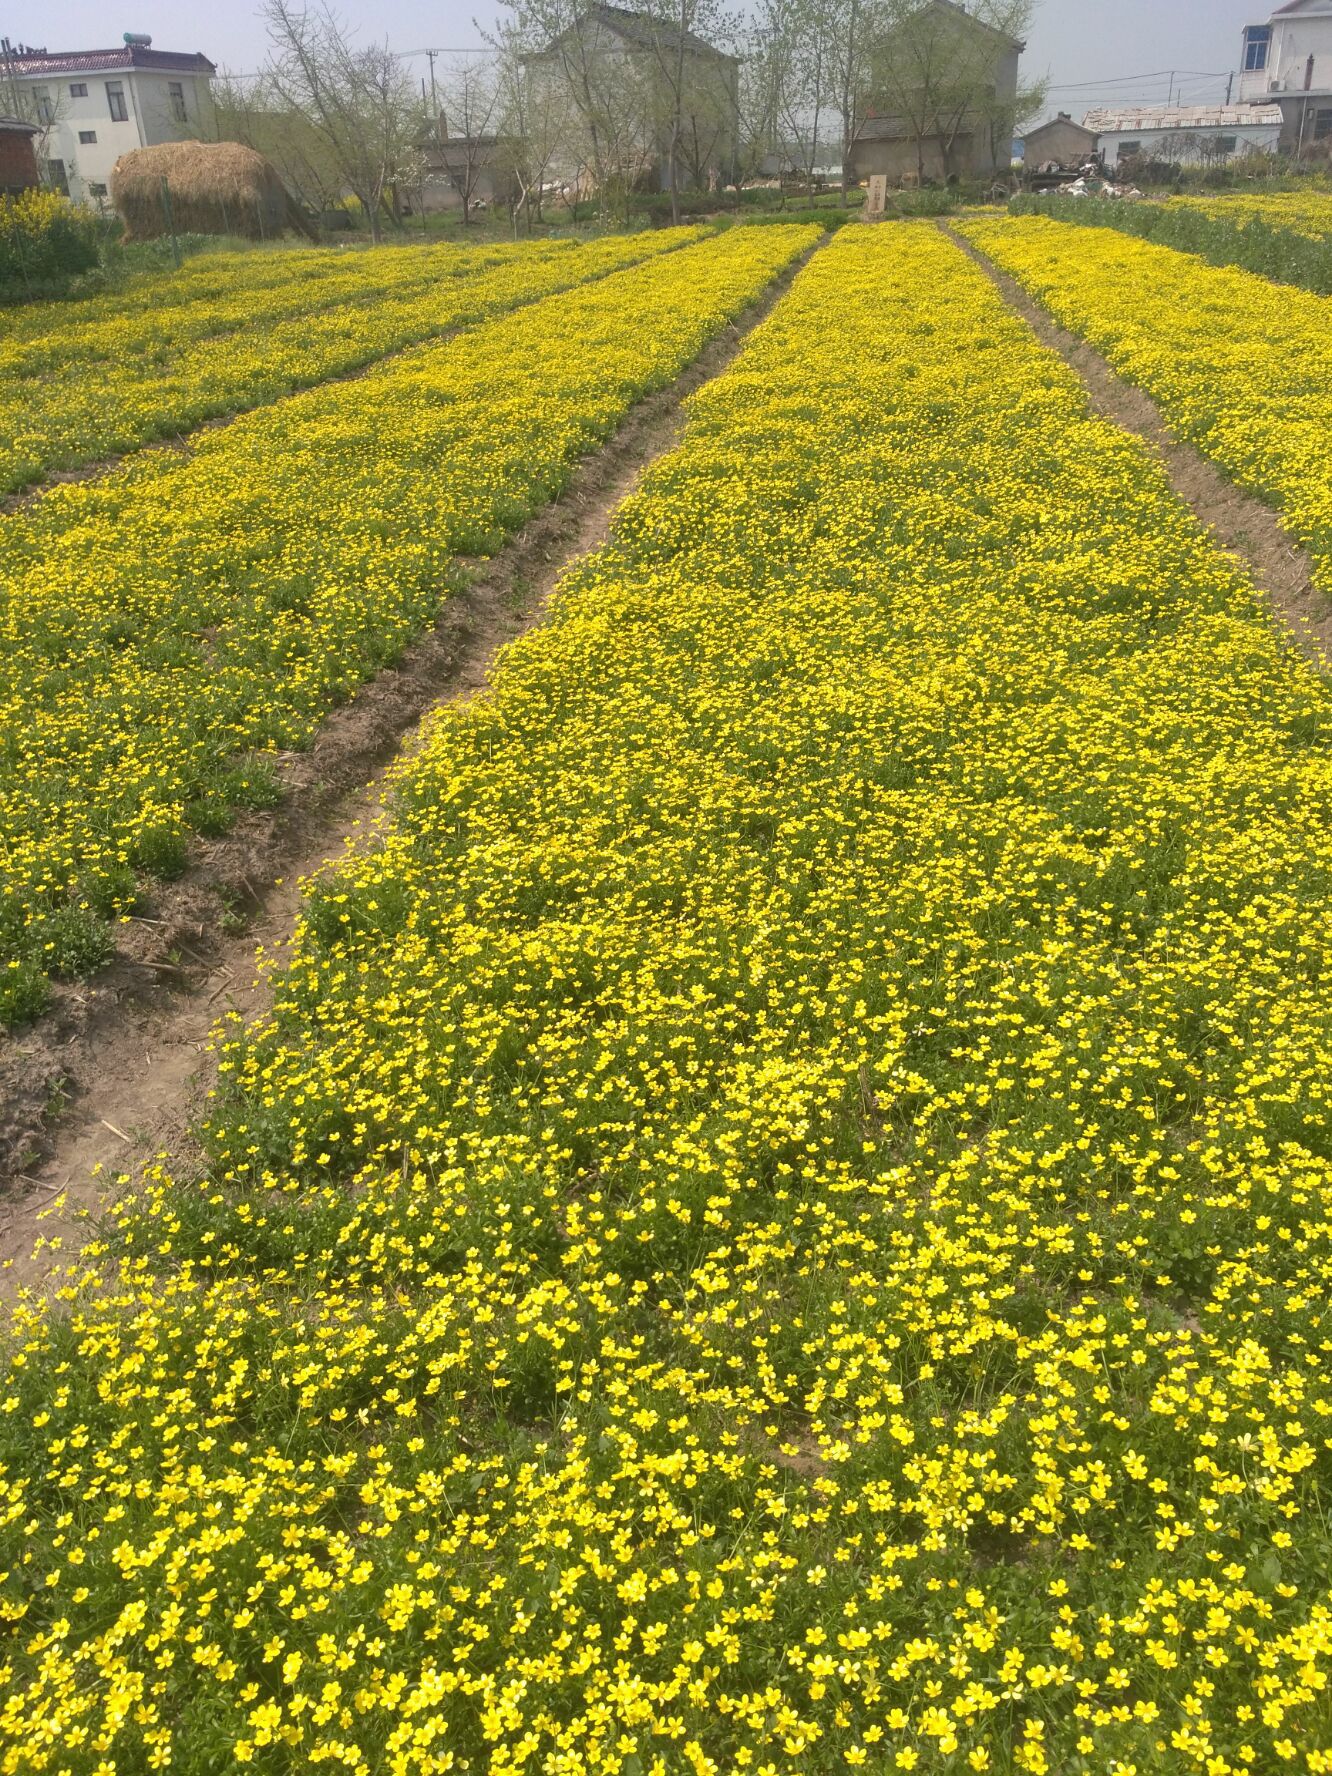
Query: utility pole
x=1230, y=82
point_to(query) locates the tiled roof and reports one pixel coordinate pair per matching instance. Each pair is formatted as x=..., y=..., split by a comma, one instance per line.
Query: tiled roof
x=11, y=124
x=1168, y=117
x=35, y=63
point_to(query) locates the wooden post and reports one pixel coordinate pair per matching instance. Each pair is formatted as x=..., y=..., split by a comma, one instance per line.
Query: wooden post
x=170, y=220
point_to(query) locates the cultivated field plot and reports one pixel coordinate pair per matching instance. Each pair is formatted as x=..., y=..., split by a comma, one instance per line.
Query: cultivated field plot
x=1286, y=236
x=1240, y=367
x=170, y=625
x=1307, y=213
x=779, y=1220
x=86, y=380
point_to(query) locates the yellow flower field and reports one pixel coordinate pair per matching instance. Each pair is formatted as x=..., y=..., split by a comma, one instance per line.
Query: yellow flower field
x=164, y=627
x=113, y=373
x=1239, y=366
x=1307, y=213
x=779, y=1222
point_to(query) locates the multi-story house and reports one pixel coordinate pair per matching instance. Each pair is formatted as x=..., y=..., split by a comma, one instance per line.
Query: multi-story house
x=91, y=105
x=944, y=98
x=1287, y=61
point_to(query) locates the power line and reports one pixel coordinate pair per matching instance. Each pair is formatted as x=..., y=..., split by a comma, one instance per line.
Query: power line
x=1134, y=79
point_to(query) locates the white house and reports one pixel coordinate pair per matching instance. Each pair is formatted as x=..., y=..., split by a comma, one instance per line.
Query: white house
x=1288, y=62
x=1185, y=135
x=92, y=105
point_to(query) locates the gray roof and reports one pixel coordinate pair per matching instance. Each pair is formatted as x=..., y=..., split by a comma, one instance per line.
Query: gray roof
x=1167, y=117
x=641, y=28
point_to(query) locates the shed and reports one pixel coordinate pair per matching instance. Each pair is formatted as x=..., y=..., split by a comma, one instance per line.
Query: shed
x=1058, y=139
x=18, y=156
x=1184, y=135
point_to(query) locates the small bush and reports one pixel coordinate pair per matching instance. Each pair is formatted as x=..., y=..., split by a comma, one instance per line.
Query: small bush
x=45, y=242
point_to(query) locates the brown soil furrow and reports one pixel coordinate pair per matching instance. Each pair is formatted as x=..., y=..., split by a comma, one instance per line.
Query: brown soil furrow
x=117, y=1069
x=1281, y=568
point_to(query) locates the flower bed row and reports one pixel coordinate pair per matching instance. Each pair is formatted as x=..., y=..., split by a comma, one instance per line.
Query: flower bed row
x=165, y=624
x=90, y=389
x=1238, y=366
x=1283, y=236
x=779, y=1221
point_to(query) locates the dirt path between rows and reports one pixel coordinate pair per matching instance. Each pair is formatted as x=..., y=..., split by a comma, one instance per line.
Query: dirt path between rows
x=117, y=1070
x=1241, y=523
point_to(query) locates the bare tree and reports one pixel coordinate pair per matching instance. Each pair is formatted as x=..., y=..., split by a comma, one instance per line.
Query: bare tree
x=534, y=124
x=601, y=89
x=935, y=66
x=253, y=113
x=692, y=84
x=799, y=78
x=472, y=92
x=359, y=100
x=852, y=28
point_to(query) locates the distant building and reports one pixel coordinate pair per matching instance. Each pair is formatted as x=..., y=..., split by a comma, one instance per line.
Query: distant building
x=1185, y=135
x=478, y=167
x=1288, y=62
x=90, y=106
x=18, y=156
x=1059, y=139
x=612, y=58
x=914, y=128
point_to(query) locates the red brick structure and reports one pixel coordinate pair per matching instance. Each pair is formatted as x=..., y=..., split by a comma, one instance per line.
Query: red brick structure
x=18, y=156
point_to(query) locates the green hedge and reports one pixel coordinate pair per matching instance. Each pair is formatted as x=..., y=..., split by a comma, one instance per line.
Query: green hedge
x=45, y=242
x=1276, y=253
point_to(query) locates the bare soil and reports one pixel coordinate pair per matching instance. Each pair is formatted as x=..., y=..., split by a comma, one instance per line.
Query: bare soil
x=118, y=1067
x=1240, y=521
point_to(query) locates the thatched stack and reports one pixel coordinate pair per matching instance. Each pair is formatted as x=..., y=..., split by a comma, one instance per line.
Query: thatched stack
x=216, y=188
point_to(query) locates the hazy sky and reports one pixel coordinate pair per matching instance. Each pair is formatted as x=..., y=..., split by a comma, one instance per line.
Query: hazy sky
x=1128, y=47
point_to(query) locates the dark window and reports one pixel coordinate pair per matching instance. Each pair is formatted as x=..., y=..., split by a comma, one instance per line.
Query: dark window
x=1126, y=149
x=78, y=89
x=1322, y=125
x=1257, y=38
x=1227, y=144
x=87, y=137
x=96, y=190
x=176, y=94
x=115, y=98
x=45, y=109
x=55, y=172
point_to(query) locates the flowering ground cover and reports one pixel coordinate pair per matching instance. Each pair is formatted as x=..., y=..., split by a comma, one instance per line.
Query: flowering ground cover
x=779, y=1220
x=163, y=627
x=1307, y=212
x=90, y=384
x=1240, y=367
x=1285, y=236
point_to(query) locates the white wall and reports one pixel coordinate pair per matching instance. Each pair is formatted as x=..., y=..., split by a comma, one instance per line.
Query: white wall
x=1177, y=145
x=1293, y=41
x=150, y=119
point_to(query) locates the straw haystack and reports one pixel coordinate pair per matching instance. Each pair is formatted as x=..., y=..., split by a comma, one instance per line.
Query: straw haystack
x=215, y=187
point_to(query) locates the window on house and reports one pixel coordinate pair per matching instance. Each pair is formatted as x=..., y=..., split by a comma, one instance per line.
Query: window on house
x=78, y=89
x=176, y=95
x=45, y=109
x=115, y=98
x=1227, y=144
x=1257, y=39
x=55, y=177
x=96, y=190
x=1128, y=148
x=87, y=137
x=1322, y=125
